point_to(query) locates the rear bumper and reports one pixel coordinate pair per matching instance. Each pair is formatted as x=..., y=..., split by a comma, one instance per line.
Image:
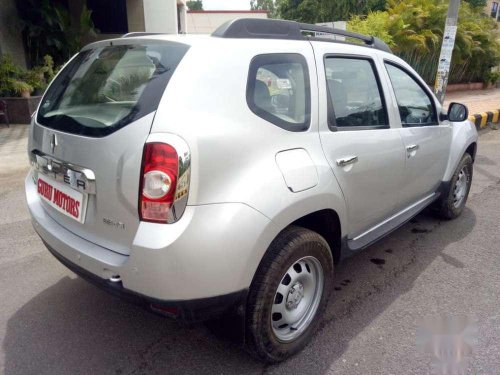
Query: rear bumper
x=205, y=260
x=188, y=311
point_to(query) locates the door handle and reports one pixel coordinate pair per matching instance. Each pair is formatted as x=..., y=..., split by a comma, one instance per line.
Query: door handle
x=411, y=148
x=346, y=161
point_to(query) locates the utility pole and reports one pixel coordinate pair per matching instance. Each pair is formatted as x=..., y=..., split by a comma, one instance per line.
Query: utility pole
x=450, y=31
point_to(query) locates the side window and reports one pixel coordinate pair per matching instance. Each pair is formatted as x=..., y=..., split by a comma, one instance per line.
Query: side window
x=416, y=108
x=355, y=99
x=278, y=90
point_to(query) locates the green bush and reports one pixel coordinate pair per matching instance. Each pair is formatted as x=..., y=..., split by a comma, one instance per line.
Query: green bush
x=195, y=4
x=313, y=11
x=414, y=30
x=20, y=87
x=492, y=77
x=15, y=80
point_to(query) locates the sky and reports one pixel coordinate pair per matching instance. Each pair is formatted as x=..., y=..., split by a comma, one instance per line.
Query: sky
x=226, y=4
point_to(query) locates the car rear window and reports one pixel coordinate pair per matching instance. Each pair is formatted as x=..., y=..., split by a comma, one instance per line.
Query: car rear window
x=278, y=90
x=105, y=88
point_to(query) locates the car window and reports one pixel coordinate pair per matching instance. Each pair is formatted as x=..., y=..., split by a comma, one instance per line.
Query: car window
x=106, y=88
x=416, y=108
x=278, y=90
x=355, y=98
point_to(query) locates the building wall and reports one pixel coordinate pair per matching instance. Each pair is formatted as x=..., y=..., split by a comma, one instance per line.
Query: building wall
x=155, y=16
x=205, y=22
x=160, y=16
x=11, y=42
x=135, y=15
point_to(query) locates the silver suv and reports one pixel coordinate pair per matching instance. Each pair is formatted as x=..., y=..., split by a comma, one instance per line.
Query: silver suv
x=200, y=175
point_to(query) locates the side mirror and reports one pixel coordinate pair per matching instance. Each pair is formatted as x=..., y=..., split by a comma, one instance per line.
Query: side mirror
x=457, y=112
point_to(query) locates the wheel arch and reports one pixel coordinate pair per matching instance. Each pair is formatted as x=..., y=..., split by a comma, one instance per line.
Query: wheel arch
x=464, y=139
x=326, y=223
x=471, y=150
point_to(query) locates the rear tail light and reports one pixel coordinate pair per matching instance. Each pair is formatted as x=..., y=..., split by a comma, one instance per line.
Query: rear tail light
x=160, y=182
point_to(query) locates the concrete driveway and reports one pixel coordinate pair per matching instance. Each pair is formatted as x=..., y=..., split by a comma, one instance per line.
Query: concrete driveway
x=52, y=322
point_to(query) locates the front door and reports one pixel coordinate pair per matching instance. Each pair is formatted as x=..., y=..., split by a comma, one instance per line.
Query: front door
x=427, y=143
x=366, y=155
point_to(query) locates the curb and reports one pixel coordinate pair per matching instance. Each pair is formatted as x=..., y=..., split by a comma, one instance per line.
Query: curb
x=482, y=119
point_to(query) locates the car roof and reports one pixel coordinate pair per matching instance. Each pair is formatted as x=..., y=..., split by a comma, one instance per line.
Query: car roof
x=252, y=28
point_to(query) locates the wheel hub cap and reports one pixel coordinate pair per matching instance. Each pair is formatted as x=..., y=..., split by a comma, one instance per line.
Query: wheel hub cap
x=461, y=186
x=295, y=295
x=297, y=299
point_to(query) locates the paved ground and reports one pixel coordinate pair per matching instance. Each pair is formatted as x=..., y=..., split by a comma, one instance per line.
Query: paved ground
x=52, y=322
x=13, y=145
x=478, y=101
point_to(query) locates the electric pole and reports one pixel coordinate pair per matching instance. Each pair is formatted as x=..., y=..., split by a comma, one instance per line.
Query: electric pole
x=450, y=31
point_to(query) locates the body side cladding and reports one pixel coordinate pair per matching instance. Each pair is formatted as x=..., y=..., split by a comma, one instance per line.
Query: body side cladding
x=348, y=248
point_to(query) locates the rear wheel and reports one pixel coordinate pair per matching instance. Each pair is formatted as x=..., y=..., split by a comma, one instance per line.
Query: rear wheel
x=289, y=294
x=452, y=203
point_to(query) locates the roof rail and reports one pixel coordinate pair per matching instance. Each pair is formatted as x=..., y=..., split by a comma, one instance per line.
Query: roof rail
x=259, y=28
x=138, y=33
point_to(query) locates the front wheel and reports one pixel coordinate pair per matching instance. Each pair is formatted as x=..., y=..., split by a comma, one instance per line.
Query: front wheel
x=452, y=203
x=289, y=294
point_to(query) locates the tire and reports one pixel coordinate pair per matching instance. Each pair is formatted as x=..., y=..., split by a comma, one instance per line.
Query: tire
x=452, y=203
x=294, y=260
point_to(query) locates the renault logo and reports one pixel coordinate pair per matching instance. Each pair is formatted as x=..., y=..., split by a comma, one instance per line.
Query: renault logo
x=53, y=142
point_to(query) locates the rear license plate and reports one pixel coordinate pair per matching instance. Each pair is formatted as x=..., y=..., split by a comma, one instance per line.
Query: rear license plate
x=62, y=198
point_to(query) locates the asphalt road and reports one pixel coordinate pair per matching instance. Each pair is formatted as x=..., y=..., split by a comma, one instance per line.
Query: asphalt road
x=52, y=322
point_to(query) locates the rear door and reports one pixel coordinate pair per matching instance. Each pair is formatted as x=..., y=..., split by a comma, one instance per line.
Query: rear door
x=427, y=142
x=365, y=153
x=89, y=134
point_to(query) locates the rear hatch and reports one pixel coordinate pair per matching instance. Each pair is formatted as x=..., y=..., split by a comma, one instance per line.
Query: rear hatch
x=89, y=135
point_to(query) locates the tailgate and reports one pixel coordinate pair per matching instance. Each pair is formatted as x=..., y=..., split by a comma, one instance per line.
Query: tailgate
x=89, y=133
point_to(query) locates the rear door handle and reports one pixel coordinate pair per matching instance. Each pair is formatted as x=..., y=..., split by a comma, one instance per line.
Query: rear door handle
x=411, y=148
x=346, y=161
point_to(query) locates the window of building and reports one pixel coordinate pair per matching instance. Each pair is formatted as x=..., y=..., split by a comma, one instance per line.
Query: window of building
x=278, y=90
x=109, y=16
x=355, y=98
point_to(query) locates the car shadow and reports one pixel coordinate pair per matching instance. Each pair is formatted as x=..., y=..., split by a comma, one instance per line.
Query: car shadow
x=72, y=327
x=367, y=283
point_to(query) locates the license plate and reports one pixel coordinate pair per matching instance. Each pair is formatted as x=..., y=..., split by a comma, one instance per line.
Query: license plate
x=64, y=199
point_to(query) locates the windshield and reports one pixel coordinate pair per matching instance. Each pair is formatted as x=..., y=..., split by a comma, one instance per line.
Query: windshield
x=105, y=88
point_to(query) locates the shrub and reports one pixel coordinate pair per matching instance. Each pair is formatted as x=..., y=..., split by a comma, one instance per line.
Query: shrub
x=492, y=77
x=15, y=80
x=20, y=87
x=414, y=30
x=48, y=28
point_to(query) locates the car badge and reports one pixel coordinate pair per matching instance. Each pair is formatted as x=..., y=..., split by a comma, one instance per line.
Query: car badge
x=53, y=142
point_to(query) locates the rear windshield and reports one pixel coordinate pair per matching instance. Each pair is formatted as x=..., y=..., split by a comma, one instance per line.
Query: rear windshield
x=103, y=89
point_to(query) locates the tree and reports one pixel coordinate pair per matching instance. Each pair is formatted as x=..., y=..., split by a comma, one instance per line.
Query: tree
x=310, y=11
x=327, y=10
x=477, y=3
x=269, y=5
x=414, y=30
x=49, y=30
x=195, y=4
